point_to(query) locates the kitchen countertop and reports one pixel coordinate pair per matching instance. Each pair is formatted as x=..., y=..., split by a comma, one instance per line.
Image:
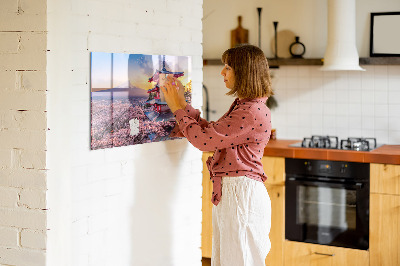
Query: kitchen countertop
x=389, y=154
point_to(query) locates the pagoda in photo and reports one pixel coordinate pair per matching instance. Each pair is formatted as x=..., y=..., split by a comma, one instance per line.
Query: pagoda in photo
x=156, y=97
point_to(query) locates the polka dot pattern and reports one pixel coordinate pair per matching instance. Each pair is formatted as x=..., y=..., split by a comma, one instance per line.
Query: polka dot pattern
x=238, y=139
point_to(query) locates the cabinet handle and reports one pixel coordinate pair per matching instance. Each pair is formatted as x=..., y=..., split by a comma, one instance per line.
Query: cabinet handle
x=324, y=254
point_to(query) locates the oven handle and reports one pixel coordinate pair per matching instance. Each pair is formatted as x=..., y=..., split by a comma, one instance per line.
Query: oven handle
x=357, y=185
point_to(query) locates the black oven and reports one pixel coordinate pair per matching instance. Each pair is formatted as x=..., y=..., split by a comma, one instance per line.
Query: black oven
x=327, y=202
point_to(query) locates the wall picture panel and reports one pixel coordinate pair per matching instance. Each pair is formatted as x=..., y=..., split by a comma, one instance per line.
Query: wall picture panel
x=127, y=104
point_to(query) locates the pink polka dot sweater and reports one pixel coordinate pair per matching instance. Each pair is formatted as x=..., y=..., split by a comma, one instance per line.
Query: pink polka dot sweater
x=238, y=139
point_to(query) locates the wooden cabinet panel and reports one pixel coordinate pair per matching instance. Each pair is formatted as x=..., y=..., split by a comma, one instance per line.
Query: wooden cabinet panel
x=274, y=168
x=384, y=230
x=277, y=233
x=385, y=178
x=206, y=226
x=304, y=254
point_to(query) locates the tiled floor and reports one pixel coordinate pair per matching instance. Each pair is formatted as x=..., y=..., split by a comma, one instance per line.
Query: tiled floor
x=206, y=261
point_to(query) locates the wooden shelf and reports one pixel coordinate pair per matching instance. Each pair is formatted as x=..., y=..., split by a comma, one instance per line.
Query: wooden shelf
x=294, y=62
x=380, y=61
x=274, y=63
x=212, y=62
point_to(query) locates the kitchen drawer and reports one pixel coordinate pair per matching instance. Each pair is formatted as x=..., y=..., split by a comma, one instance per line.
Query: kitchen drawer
x=305, y=254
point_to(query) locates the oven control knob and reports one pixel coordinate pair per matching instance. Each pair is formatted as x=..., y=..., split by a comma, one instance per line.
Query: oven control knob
x=308, y=166
x=343, y=168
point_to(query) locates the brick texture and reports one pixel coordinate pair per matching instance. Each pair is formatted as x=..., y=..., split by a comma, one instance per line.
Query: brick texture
x=9, y=237
x=17, y=256
x=23, y=218
x=33, y=239
x=23, y=126
x=8, y=197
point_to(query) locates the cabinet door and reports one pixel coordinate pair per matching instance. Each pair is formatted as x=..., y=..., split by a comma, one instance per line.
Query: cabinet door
x=385, y=178
x=384, y=230
x=206, y=226
x=274, y=168
x=304, y=254
x=277, y=233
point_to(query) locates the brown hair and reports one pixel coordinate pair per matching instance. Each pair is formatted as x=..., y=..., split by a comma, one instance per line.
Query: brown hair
x=250, y=66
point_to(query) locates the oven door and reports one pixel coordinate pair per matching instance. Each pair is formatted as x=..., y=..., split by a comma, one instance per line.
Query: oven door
x=327, y=213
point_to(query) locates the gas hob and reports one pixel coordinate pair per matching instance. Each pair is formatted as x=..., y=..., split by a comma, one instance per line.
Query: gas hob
x=332, y=142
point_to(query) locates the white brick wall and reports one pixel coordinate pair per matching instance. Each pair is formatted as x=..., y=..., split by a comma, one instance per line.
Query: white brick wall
x=135, y=205
x=33, y=239
x=11, y=256
x=23, y=132
x=8, y=197
x=99, y=202
x=9, y=237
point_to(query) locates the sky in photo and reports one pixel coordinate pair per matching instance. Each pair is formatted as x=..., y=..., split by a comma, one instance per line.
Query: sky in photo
x=133, y=70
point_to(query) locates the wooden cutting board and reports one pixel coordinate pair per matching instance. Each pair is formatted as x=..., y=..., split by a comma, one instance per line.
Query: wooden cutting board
x=239, y=35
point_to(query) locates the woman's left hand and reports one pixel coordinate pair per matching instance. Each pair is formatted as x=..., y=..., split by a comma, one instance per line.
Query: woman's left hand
x=172, y=96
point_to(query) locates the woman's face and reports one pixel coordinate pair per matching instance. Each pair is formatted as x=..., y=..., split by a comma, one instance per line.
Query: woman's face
x=229, y=76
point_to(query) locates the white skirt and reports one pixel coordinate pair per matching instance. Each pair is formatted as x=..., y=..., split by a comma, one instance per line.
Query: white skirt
x=241, y=223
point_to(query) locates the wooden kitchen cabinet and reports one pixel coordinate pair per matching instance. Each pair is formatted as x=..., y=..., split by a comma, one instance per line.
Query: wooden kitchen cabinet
x=305, y=254
x=385, y=178
x=206, y=225
x=277, y=233
x=274, y=168
x=385, y=215
x=384, y=236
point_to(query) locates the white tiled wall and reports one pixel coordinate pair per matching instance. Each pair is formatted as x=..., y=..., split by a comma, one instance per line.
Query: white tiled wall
x=313, y=102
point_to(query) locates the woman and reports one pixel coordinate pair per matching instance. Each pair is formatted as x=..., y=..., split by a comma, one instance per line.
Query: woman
x=242, y=211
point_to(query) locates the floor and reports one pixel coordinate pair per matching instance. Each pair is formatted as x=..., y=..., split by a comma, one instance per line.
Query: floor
x=206, y=261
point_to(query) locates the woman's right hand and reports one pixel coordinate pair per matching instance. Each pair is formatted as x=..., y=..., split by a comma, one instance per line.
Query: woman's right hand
x=174, y=93
x=181, y=90
x=179, y=87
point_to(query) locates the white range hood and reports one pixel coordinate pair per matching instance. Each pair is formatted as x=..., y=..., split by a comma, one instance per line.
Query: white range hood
x=341, y=51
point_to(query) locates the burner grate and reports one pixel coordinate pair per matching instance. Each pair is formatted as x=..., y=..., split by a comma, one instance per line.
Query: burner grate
x=327, y=142
x=358, y=144
x=332, y=142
